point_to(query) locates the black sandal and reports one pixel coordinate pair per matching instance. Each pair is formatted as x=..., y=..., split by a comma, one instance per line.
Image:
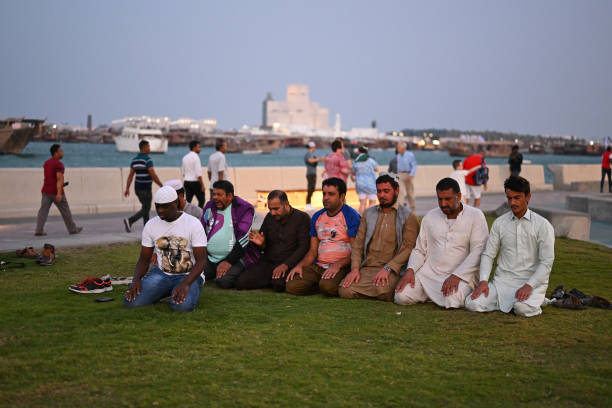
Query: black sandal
x=4, y=265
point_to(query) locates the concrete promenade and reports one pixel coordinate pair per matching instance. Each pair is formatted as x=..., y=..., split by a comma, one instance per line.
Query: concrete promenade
x=100, y=229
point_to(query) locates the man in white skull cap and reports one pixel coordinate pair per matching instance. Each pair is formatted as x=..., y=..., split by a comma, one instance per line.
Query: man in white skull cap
x=184, y=206
x=179, y=241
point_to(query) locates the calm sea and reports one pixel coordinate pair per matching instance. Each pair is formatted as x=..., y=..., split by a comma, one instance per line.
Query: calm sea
x=105, y=155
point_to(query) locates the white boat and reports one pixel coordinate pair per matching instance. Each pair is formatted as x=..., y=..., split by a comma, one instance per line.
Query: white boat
x=130, y=137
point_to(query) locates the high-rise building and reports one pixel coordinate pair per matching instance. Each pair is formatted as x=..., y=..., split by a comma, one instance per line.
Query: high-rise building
x=296, y=110
x=89, y=122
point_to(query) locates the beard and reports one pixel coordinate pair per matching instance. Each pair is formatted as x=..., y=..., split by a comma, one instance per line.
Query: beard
x=387, y=205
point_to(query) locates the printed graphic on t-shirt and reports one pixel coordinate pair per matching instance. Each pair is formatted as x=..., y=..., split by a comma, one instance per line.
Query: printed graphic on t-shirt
x=174, y=257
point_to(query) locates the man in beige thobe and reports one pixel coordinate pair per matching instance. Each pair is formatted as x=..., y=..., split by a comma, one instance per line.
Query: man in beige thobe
x=443, y=266
x=386, y=235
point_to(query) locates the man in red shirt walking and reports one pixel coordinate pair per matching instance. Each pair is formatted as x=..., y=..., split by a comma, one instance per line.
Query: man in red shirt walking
x=605, y=169
x=472, y=189
x=53, y=192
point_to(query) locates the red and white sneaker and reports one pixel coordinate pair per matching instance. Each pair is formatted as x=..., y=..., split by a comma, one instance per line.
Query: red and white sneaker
x=93, y=285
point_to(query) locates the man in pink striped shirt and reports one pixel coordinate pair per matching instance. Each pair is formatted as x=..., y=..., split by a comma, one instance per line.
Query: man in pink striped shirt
x=335, y=163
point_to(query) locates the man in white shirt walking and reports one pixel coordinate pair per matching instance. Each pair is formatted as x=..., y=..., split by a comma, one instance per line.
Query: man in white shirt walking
x=216, y=164
x=443, y=266
x=526, y=245
x=192, y=174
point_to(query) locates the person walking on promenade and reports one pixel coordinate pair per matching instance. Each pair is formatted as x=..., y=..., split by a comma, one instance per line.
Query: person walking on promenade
x=53, y=192
x=387, y=233
x=458, y=174
x=393, y=164
x=192, y=174
x=332, y=232
x=605, y=169
x=364, y=173
x=336, y=164
x=142, y=168
x=217, y=167
x=443, y=265
x=515, y=160
x=472, y=188
x=179, y=243
x=227, y=221
x=407, y=167
x=283, y=238
x=311, y=161
x=525, y=242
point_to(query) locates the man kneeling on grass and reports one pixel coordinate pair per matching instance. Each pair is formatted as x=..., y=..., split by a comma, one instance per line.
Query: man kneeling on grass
x=179, y=242
x=526, y=245
x=386, y=236
x=332, y=231
x=443, y=266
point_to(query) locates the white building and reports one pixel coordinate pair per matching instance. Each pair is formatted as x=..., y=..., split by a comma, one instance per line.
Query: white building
x=296, y=110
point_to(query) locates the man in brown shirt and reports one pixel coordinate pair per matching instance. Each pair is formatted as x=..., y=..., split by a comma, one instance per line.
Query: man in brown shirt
x=387, y=233
x=284, y=240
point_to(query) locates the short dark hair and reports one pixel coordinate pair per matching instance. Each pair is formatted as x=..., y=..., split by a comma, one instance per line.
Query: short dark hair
x=54, y=148
x=385, y=178
x=336, y=182
x=515, y=147
x=193, y=144
x=456, y=164
x=609, y=148
x=517, y=183
x=336, y=144
x=281, y=195
x=142, y=144
x=225, y=186
x=219, y=144
x=448, y=183
x=362, y=149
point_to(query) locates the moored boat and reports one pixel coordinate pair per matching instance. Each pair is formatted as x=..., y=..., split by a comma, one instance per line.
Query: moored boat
x=500, y=148
x=130, y=137
x=16, y=133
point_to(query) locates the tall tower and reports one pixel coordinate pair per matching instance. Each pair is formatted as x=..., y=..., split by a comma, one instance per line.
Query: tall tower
x=89, y=122
x=264, y=113
x=337, y=125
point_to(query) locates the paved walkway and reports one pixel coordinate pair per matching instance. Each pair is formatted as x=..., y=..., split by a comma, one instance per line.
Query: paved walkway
x=100, y=229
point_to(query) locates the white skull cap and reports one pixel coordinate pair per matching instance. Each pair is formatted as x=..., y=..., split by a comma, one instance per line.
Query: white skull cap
x=165, y=195
x=175, y=184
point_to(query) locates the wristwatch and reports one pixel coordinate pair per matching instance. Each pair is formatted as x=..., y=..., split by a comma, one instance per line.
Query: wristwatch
x=387, y=268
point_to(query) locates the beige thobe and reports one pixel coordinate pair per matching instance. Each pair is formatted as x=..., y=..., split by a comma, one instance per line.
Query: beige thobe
x=443, y=248
x=382, y=250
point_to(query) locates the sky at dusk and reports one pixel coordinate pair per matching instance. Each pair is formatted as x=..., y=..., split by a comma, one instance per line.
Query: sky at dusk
x=538, y=67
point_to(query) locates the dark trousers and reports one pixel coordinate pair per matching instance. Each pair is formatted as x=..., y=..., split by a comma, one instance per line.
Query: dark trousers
x=145, y=197
x=62, y=206
x=312, y=180
x=228, y=280
x=259, y=276
x=194, y=188
x=603, y=177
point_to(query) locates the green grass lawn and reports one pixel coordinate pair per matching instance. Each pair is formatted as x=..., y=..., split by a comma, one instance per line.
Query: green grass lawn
x=264, y=349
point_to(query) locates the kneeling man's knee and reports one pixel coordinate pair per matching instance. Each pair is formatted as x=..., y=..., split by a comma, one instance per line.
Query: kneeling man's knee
x=404, y=297
x=183, y=307
x=328, y=287
x=524, y=310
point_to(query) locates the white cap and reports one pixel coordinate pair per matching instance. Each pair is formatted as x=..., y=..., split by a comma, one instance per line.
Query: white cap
x=175, y=184
x=165, y=195
x=312, y=144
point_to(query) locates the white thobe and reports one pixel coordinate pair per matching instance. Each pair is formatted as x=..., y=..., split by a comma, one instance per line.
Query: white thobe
x=446, y=247
x=526, y=253
x=191, y=167
x=216, y=163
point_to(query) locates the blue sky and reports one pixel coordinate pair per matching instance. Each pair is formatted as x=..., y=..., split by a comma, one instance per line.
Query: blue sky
x=525, y=66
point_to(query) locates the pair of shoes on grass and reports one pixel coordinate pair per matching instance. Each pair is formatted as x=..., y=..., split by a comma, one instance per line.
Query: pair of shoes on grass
x=93, y=285
x=575, y=299
x=48, y=256
x=27, y=252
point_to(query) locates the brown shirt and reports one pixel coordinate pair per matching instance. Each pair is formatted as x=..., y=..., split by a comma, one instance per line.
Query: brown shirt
x=381, y=250
x=288, y=241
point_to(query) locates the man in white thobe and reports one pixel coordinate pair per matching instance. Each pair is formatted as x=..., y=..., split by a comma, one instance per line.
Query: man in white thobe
x=526, y=244
x=443, y=265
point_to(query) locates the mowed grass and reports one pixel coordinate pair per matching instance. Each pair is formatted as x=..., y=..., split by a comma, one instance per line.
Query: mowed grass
x=260, y=348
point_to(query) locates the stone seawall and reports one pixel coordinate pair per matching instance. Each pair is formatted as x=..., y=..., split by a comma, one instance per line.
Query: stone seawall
x=100, y=189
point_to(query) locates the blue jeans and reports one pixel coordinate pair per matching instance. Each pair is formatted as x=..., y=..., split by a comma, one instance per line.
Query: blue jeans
x=157, y=285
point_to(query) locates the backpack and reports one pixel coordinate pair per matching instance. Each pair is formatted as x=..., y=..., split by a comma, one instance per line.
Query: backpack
x=481, y=176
